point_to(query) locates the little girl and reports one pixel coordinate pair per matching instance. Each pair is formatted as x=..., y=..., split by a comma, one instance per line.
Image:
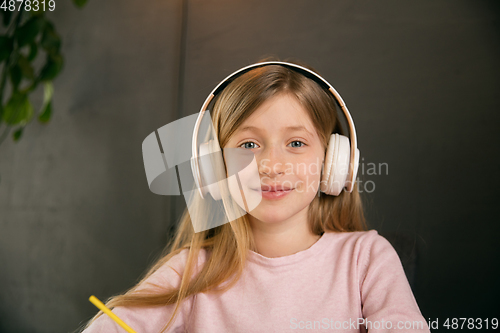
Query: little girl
x=301, y=259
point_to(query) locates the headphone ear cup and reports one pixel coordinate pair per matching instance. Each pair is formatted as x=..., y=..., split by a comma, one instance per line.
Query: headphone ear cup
x=208, y=165
x=336, y=166
x=327, y=165
x=355, y=171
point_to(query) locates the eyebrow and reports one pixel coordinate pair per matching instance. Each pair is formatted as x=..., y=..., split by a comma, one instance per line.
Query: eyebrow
x=288, y=128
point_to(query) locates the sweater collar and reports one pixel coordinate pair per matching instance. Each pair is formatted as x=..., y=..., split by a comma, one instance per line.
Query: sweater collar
x=314, y=249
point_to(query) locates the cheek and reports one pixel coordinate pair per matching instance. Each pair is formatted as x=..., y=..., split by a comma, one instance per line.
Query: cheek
x=248, y=196
x=309, y=175
x=309, y=169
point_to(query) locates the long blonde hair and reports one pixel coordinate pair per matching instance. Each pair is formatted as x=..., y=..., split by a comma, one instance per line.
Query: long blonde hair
x=228, y=244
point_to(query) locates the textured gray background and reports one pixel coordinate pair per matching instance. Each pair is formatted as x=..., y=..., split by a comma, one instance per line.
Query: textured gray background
x=420, y=78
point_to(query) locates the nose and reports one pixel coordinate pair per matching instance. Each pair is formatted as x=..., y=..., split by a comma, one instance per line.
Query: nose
x=271, y=162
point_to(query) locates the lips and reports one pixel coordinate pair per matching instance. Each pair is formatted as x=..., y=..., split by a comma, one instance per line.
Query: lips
x=274, y=192
x=275, y=188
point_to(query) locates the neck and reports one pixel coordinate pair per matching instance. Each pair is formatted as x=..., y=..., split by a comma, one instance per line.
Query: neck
x=282, y=238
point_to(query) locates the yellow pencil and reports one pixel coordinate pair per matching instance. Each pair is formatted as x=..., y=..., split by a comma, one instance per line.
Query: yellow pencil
x=107, y=311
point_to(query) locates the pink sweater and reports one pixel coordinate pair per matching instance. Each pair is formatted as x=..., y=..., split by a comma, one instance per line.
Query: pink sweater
x=341, y=280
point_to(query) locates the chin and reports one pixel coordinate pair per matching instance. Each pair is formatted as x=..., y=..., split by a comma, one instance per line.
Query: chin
x=274, y=216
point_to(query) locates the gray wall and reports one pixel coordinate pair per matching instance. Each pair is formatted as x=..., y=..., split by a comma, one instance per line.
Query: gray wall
x=421, y=80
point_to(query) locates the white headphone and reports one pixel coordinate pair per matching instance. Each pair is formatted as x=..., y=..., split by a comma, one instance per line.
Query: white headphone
x=341, y=160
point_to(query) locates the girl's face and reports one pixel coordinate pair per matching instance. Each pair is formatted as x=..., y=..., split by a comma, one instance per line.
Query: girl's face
x=289, y=155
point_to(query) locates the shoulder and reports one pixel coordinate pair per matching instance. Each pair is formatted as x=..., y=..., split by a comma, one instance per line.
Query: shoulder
x=374, y=254
x=362, y=246
x=360, y=240
x=370, y=244
x=179, y=260
x=170, y=273
x=371, y=240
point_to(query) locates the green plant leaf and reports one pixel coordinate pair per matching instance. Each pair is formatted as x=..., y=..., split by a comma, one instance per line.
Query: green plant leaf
x=7, y=15
x=6, y=45
x=17, y=134
x=52, y=67
x=46, y=113
x=16, y=75
x=48, y=92
x=80, y=3
x=27, y=33
x=51, y=41
x=18, y=110
x=26, y=69
x=33, y=52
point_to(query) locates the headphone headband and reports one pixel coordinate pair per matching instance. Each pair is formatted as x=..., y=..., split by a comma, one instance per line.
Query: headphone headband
x=306, y=72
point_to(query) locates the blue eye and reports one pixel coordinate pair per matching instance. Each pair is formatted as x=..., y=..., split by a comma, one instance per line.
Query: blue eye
x=296, y=144
x=249, y=145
